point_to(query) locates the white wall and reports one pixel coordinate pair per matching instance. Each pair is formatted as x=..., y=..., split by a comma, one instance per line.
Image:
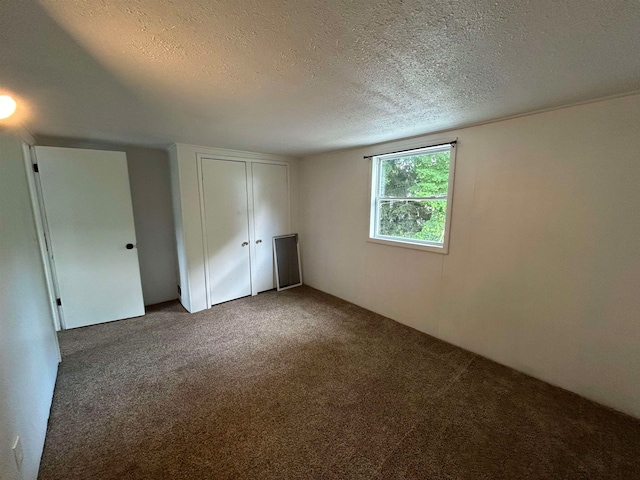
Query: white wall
x=543, y=271
x=186, y=213
x=151, y=197
x=28, y=345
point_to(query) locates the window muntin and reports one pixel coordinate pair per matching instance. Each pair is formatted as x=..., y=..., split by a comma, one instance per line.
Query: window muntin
x=411, y=196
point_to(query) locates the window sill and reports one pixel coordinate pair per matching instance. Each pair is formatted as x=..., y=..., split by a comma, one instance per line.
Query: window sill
x=443, y=250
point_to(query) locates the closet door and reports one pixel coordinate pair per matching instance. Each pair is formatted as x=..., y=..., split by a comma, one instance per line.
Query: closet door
x=271, y=218
x=227, y=229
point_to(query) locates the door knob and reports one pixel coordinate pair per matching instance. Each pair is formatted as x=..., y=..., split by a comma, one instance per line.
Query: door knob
x=129, y=246
x=244, y=244
x=258, y=241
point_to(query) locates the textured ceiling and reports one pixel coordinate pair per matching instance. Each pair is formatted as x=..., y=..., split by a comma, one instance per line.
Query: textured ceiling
x=300, y=77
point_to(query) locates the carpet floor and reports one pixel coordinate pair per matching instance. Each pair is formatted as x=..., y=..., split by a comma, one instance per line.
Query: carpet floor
x=301, y=385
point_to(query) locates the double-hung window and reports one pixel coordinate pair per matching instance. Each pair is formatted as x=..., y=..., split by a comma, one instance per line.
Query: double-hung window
x=411, y=195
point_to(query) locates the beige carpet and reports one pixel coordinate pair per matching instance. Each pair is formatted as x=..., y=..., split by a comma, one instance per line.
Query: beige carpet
x=301, y=385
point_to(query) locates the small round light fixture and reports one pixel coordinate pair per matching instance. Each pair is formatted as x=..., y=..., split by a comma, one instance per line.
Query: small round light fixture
x=7, y=106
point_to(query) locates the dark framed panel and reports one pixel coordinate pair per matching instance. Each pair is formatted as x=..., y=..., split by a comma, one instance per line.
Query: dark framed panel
x=286, y=254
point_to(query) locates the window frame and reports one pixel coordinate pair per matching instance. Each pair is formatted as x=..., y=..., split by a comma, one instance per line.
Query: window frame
x=374, y=197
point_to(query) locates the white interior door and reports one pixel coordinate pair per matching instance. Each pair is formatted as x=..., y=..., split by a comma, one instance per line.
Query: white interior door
x=271, y=218
x=87, y=202
x=226, y=229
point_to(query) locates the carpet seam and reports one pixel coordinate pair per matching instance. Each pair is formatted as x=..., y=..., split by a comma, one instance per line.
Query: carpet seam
x=439, y=394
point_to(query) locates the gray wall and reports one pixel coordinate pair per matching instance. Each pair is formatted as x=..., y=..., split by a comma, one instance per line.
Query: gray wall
x=28, y=345
x=151, y=197
x=543, y=270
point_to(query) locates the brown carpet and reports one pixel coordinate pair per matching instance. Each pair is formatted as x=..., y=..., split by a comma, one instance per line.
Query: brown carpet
x=302, y=385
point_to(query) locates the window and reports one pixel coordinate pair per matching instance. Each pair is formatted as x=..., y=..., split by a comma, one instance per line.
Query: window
x=411, y=197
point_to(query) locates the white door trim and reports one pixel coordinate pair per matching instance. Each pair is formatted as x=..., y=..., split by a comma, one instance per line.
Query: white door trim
x=42, y=232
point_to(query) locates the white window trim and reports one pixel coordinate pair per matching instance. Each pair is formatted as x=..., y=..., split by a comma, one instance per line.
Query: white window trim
x=404, y=242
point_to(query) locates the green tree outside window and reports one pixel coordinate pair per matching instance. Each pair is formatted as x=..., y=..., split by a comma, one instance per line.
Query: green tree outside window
x=425, y=175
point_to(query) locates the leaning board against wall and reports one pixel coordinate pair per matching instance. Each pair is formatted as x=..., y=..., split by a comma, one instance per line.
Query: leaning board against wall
x=228, y=205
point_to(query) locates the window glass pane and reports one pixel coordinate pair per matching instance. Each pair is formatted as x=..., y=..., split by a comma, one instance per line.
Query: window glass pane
x=425, y=175
x=413, y=219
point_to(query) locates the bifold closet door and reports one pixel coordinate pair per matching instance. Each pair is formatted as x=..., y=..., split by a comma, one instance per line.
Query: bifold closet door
x=227, y=229
x=271, y=218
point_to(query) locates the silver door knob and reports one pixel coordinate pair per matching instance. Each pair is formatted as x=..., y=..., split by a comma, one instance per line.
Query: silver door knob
x=244, y=244
x=258, y=241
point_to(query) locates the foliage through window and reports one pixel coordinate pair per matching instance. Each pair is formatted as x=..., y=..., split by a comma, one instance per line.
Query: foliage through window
x=411, y=193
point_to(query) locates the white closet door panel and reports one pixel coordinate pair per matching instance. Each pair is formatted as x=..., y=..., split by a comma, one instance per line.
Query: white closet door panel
x=87, y=200
x=271, y=218
x=227, y=229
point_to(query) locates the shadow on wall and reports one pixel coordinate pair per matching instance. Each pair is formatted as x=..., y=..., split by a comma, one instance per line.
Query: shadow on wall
x=100, y=92
x=153, y=215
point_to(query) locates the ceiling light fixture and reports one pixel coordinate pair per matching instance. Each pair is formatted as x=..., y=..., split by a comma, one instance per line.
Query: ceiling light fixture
x=7, y=106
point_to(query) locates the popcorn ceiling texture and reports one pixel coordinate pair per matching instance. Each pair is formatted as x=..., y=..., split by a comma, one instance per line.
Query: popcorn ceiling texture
x=300, y=77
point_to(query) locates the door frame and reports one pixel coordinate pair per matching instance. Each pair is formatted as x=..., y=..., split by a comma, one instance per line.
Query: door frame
x=43, y=236
x=200, y=157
